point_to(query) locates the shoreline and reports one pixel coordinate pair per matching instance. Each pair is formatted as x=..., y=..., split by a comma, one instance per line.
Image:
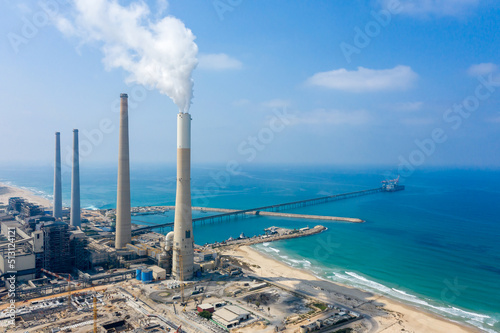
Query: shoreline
x=391, y=315
x=8, y=191
x=399, y=317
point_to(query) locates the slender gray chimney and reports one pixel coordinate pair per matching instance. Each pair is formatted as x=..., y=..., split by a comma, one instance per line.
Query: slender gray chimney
x=123, y=222
x=57, y=209
x=75, y=184
x=183, y=247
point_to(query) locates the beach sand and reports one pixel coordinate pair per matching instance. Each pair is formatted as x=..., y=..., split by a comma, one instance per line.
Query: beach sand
x=7, y=191
x=390, y=316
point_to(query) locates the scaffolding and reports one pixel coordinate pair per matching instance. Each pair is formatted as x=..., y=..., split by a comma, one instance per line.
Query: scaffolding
x=56, y=247
x=80, y=254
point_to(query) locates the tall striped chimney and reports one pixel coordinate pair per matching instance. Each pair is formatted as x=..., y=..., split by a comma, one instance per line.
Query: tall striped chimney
x=57, y=209
x=123, y=222
x=183, y=247
x=75, y=184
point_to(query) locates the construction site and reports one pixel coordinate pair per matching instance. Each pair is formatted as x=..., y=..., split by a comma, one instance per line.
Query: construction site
x=227, y=297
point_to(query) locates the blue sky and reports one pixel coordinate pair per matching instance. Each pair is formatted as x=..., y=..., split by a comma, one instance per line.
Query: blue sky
x=380, y=82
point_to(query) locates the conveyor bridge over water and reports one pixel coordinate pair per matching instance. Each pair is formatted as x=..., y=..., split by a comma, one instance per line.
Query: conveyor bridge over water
x=273, y=208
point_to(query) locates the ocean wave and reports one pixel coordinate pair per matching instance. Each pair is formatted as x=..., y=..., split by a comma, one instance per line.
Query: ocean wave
x=302, y=262
x=270, y=249
x=91, y=207
x=361, y=282
x=296, y=263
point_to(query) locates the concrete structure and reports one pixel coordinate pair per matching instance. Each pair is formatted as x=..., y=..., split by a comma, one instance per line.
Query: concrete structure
x=29, y=209
x=23, y=264
x=230, y=316
x=183, y=246
x=158, y=273
x=205, y=307
x=123, y=222
x=15, y=204
x=207, y=266
x=75, y=184
x=57, y=209
x=100, y=254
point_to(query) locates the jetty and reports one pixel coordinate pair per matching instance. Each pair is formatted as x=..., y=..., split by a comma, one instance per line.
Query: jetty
x=273, y=210
x=278, y=234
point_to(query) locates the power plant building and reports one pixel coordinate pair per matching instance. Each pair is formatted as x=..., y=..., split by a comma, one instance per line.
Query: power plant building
x=56, y=249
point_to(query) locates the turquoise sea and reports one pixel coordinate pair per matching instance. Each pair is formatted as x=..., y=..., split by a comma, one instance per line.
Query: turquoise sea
x=435, y=245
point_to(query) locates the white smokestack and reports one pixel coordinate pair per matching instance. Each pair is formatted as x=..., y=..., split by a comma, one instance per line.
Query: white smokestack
x=157, y=53
x=123, y=219
x=183, y=247
x=57, y=209
x=75, y=184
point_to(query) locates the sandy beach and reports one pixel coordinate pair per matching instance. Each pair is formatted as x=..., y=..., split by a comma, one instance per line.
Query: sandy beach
x=388, y=316
x=7, y=191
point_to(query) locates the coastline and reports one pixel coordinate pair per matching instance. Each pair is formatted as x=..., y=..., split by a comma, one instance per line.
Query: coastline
x=390, y=315
x=8, y=191
x=398, y=317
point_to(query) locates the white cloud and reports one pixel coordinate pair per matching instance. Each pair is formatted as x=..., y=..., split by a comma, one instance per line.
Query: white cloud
x=333, y=117
x=433, y=7
x=218, y=62
x=161, y=7
x=365, y=79
x=158, y=53
x=482, y=69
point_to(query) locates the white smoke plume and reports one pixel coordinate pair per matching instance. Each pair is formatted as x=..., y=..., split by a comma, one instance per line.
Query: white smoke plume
x=158, y=53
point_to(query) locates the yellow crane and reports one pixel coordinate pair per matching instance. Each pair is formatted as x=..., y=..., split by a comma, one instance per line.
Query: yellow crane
x=95, y=314
x=62, y=278
x=95, y=308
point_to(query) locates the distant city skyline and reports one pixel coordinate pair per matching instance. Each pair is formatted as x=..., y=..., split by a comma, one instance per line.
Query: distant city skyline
x=386, y=82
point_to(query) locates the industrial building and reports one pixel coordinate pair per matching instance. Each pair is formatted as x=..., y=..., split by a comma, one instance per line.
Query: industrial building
x=15, y=204
x=158, y=273
x=56, y=248
x=100, y=255
x=230, y=316
x=79, y=252
x=19, y=258
x=29, y=209
x=205, y=307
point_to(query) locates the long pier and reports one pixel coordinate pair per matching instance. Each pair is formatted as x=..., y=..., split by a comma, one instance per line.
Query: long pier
x=272, y=208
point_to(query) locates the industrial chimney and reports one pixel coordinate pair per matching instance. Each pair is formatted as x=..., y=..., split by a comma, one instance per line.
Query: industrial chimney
x=183, y=247
x=123, y=223
x=57, y=209
x=75, y=184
